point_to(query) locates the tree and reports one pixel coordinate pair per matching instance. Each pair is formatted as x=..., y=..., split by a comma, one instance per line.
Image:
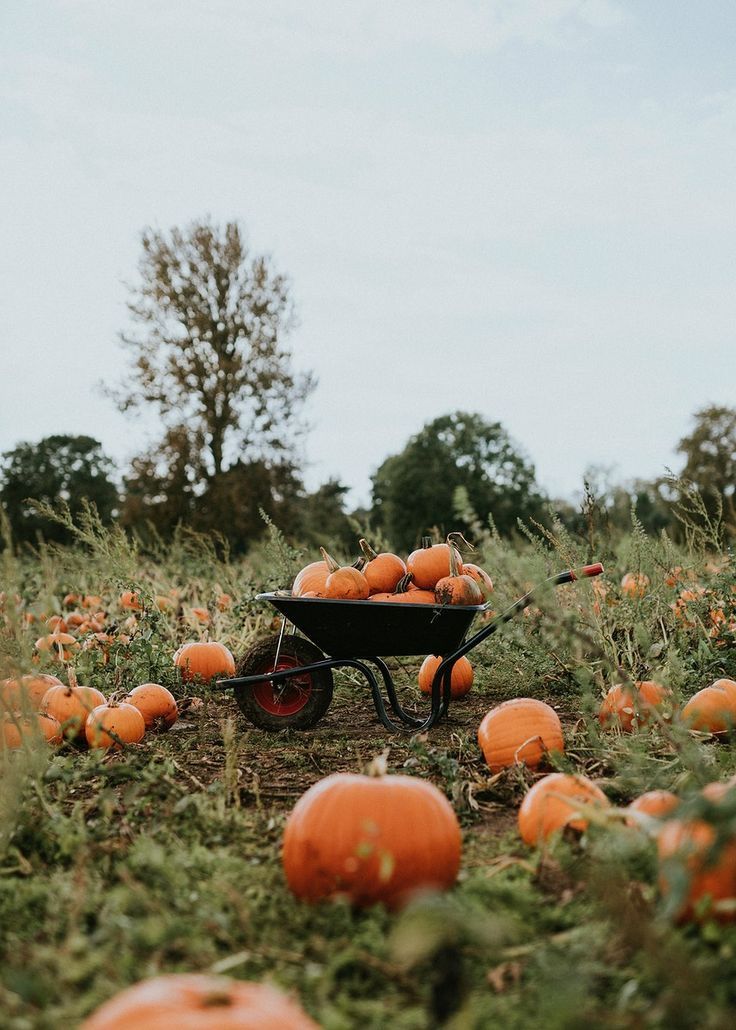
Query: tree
x=414, y=491
x=72, y=469
x=710, y=458
x=208, y=356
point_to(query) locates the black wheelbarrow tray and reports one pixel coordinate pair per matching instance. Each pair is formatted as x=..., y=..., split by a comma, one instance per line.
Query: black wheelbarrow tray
x=285, y=681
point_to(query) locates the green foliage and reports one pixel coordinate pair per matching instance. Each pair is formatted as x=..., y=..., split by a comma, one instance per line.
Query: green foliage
x=68, y=469
x=416, y=490
x=165, y=857
x=710, y=460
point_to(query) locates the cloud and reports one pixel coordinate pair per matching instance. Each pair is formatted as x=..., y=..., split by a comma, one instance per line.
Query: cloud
x=361, y=27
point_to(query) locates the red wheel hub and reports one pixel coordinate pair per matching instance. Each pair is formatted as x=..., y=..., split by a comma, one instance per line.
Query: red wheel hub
x=285, y=697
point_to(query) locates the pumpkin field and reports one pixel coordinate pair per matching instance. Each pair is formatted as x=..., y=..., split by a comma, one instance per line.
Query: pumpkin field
x=559, y=850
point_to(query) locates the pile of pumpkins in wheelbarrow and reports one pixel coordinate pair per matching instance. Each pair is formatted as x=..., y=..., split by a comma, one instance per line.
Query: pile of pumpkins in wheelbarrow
x=434, y=573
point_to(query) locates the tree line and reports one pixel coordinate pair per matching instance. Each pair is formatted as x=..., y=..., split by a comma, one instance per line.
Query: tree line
x=209, y=356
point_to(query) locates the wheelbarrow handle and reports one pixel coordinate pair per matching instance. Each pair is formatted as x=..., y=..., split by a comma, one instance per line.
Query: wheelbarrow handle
x=569, y=576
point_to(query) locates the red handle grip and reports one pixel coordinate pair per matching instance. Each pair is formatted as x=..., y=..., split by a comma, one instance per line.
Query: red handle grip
x=592, y=570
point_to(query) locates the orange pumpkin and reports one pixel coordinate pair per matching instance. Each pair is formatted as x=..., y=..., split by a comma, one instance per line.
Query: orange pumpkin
x=345, y=582
x=711, y=710
x=91, y=601
x=655, y=803
x=156, y=704
x=130, y=600
x=203, y=660
x=26, y=692
x=113, y=725
x=164, y=603
x=371, y=839
x=382, y=571
x=60, y=644
x=16, y=729
x=691, y=845
x=311, y=579
x=71, y=706
x=457, y=588
x=634, y=584
x=521, y=730
x=430, y=563
x=199, y=615
x=555, y=802
x=628, y=707
x=198, y=1001
x=480, y=576
x=461, y=678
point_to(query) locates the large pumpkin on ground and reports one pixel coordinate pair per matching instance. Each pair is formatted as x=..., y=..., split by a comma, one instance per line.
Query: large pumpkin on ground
x=461, y=678
x=196, y=1001
x=371, y=839
x=711, y=710
x=71, y=706
x=15, y=729
x=555, y=802
x=26, y=692
x=692, y=847
x=156, y=704
x=113, y=725
x=203, y=660
x=520, y=730
x=630, y=707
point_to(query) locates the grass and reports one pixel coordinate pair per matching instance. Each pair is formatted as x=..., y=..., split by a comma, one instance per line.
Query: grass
x=165, y=857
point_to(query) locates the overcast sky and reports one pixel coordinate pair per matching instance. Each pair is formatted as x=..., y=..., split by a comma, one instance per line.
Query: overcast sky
x=524, y=208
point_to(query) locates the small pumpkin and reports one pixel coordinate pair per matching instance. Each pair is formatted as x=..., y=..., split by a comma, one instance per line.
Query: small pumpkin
x=203, y=660
x=113, y=725
x=70, y=706
x=60, y=644
x=198, y=1001
x=27, y=692
x=131, y=601
x=634, y=584
x=311, y=579
x=430, y=563
x=480, y=576
x=555, y=802
x=457, y=588
x=628, y=707
x=461, y=678
x=344, y=582
x=371, y=840
x=382, y=571
x=156, y=704
x=406, y=593
x=655, y=803
x=522, y=730
x=711, y=710
x=199, y=615
x=692, y=846
x=17, y=728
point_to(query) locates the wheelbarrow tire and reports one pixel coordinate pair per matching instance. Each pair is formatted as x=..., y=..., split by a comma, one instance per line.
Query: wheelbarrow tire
x=297, y=703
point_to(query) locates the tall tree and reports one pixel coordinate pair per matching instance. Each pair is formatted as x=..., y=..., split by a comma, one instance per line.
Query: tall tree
x=415, y=490
x=72, y=469
x=710, y=457
x=208, y=354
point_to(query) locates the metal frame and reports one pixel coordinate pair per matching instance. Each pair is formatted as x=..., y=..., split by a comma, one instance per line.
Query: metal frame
x=441, y=689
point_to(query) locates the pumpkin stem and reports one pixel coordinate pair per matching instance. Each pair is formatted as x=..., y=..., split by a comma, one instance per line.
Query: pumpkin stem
x=453, y=538
x=329, y=561
x=426, y=542
x=359, y=564
x=367, y=549
x=72, y=677
x=455, y=562
x=403, y=585
x=378, y=765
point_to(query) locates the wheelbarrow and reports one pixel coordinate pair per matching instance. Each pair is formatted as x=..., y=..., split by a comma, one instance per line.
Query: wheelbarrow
x=285, y=681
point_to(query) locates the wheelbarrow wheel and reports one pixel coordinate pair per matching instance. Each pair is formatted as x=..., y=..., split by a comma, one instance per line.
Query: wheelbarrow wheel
x=296, y=703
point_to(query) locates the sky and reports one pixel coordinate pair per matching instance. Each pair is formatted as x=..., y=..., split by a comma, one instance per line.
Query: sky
x=524, y=208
